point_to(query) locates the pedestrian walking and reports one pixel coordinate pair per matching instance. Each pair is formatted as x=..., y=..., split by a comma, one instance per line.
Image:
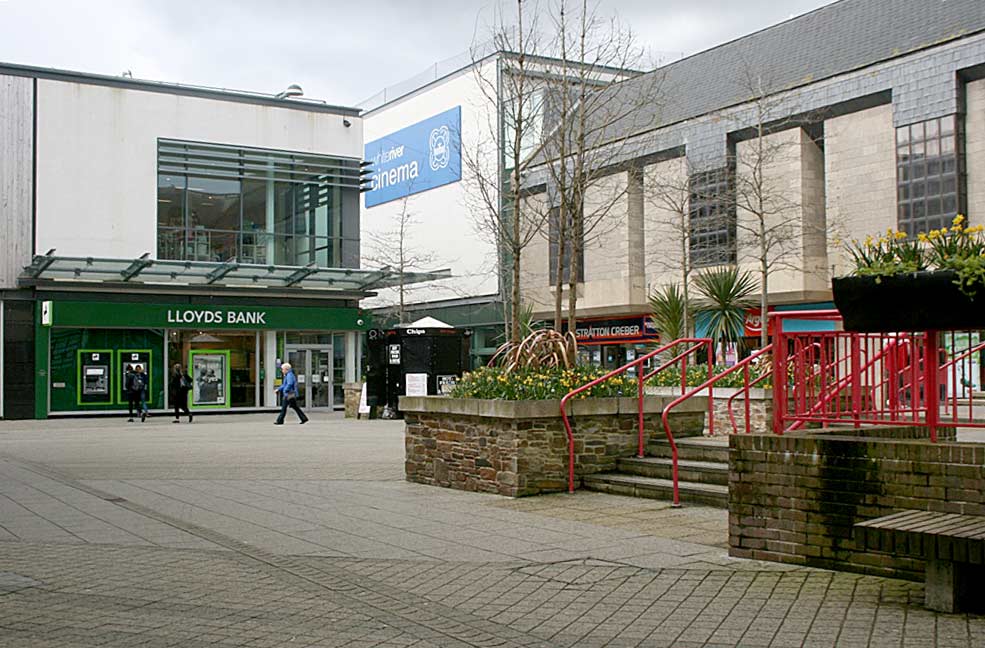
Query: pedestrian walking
x=181, y=384
x=289, y=395
x=136, y=386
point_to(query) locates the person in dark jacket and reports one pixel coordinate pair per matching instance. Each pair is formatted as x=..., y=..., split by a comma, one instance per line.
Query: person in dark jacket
x=136, y=385
x=127, y=381
x=181, y=384
x=289, y=395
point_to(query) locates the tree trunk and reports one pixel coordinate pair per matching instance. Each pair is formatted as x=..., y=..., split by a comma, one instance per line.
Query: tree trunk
x=562, y=233
x=764, y=289
x=687, y=301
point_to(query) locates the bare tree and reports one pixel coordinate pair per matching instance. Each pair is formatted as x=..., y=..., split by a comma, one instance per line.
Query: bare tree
x=669, y=192
x=771, y=229
x=393, y=248
x=497, y=162
x=592, y=134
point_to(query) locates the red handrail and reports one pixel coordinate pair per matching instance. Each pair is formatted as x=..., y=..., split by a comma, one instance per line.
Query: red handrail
x=708, y=384
x=745, y=390
x=696, y=344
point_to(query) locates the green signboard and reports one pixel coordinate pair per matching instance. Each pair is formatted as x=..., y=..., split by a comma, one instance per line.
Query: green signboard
x=201, y=317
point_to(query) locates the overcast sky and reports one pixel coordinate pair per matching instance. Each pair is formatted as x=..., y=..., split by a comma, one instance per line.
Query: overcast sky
x=342, y=52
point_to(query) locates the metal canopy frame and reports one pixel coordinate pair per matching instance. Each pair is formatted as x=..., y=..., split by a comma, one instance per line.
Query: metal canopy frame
x=228, y=274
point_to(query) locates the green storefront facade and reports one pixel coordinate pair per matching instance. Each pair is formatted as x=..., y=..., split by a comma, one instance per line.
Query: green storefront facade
x=84, y=350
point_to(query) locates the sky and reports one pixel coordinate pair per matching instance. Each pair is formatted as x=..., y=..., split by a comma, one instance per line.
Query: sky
x=340, y=52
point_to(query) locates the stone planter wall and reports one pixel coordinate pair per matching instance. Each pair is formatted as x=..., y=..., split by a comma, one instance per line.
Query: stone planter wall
x=353, y=392
x=760, y=409
x=795, y=498
x=520, y=448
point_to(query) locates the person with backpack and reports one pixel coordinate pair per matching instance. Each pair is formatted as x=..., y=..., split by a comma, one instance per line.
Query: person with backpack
x=289, y=395
x=181, y=384
x=137, y=392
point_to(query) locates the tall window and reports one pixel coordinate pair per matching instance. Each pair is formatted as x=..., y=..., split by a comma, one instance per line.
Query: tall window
x=556, y=245
x=712, y=218
x=217, y=203
x=928, y=174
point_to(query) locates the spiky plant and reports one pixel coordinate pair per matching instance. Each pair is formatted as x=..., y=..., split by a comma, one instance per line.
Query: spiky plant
x=725, y=295
x=671, y=313
x=541, y=349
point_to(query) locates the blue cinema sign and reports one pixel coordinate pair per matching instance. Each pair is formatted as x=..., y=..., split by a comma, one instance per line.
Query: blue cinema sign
x=422, y=156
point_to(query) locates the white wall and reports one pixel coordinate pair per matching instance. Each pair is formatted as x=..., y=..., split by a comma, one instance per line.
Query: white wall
x=445, y=226
x=16, y=114
x=97, y=157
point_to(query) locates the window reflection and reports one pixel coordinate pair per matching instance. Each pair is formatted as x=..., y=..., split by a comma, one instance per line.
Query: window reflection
x=290, y=215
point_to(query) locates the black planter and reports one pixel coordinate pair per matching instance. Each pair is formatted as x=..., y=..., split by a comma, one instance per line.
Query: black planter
x=918, y=301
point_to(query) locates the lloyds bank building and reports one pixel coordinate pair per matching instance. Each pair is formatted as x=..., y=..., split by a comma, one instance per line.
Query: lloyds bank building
x=154, y=224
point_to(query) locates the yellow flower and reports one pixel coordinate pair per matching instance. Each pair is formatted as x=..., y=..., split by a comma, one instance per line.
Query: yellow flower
x=900, y=235
x=922, y=237
x=868, y=240
x=958, y=219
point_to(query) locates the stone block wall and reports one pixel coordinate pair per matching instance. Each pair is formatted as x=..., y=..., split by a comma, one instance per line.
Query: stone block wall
x=760, y=409
x=353, y=393
x=794, y=499
x=521, y=448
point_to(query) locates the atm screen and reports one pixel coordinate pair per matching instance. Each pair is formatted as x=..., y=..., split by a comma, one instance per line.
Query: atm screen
x=96, y=380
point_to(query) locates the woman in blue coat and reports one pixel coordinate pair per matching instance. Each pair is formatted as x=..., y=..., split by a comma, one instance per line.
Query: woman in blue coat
x=289, y=395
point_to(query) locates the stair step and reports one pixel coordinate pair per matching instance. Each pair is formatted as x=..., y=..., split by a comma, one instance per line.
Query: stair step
x=693, y=449
x=704, y=472
x=662, y=489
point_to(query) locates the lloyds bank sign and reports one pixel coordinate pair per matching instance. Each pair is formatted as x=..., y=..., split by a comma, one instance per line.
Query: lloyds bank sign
x=187, y=316
x=417, y=158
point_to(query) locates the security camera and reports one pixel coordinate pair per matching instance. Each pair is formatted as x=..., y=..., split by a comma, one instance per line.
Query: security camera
x=359, y=322
x=346, y=122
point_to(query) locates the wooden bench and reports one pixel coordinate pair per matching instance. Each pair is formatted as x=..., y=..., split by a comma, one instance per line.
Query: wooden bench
x=951, y=544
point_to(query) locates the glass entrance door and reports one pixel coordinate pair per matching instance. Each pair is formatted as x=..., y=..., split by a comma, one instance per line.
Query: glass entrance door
x=313, y=367
x=320, y=378
x=298, y=359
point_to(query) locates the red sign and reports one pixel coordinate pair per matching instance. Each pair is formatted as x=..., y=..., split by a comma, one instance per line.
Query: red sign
x=754, y=323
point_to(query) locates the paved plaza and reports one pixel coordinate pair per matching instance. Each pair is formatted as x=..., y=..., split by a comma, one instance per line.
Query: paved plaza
x=233, y=532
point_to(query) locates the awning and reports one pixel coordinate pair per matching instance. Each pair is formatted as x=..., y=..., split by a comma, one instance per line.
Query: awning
x=230, y=274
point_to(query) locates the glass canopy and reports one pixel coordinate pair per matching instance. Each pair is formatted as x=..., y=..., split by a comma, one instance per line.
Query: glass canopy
x=229, y=274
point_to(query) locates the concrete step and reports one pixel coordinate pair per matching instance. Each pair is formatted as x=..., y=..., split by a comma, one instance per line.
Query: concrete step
x=713, y=449
x=703, y=472
x=661, y=489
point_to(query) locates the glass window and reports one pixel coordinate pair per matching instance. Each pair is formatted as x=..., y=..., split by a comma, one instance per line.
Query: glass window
x=171, y=201
x=712, y=231
x=928, y=177
x=555, y=244
x=261, y=207
x=242, y=358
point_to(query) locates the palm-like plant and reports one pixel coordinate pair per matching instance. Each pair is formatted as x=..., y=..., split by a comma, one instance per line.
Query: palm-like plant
x=671, y=312
x=725, y=293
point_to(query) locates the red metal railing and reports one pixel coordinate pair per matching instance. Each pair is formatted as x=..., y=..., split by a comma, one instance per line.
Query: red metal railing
x=742, y=365
x=694, y=345
x=871, y=378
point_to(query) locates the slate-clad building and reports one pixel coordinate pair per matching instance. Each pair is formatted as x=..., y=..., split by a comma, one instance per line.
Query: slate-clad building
x=879, y=109
x=146, y=223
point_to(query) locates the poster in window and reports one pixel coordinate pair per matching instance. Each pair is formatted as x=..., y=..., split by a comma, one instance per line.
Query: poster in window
x=209, y=379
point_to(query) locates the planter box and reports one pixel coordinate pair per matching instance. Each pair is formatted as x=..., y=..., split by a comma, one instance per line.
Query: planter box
x=519, y=448
x=918, y=301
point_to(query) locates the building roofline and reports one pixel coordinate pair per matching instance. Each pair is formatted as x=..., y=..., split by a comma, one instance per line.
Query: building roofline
x=537, y=58
x=164, y=87
x=751, y=34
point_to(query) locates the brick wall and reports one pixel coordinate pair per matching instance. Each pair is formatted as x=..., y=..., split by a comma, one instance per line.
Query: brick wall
x=794, y=499
x=521, y=448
